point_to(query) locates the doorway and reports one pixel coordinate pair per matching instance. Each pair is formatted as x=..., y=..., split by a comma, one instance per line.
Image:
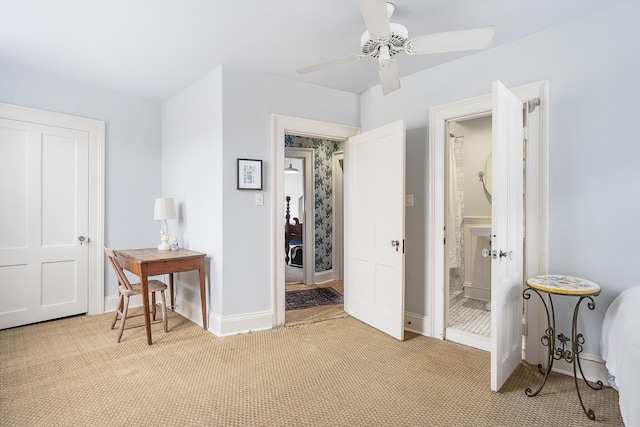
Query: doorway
x=283, y=125
x=536, y=194
x=309, y=230
x=376, y=300
x=467, y=284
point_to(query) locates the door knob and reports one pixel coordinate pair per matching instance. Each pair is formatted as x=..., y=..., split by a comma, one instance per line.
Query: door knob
x=396, y=244
x=506, y=254
x=81, y=239
x=486, y=253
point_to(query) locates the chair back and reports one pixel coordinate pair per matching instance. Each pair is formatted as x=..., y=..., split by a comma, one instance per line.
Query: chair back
x=122, y=278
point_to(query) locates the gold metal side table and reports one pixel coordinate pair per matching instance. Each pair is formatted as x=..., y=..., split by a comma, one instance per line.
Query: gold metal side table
x=568, y=286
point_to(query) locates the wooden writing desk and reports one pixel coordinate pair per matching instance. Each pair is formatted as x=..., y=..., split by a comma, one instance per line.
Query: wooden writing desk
x=152, y=262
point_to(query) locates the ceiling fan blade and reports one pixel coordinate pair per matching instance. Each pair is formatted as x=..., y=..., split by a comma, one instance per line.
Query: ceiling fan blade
x=451, y=41
x=389, y=77
x=331, y=63
x=376, y=17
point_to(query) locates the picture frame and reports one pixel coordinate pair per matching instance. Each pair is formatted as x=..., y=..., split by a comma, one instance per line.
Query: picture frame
x=249, y=174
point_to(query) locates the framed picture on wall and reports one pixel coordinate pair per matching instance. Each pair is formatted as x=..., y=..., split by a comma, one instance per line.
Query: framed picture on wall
x=249, y=174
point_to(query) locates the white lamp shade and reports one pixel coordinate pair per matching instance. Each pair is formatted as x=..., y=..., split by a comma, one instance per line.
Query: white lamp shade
x=165, y=209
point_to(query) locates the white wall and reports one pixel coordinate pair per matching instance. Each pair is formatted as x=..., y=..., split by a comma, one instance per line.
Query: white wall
x=249, y=100
x=192, y=150
x=241, y=287
x=477, y=147
x=593, y=172
x=132, y=150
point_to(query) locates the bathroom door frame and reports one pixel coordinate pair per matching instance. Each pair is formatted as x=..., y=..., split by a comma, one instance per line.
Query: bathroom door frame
x=461, y=337
x=536, y=202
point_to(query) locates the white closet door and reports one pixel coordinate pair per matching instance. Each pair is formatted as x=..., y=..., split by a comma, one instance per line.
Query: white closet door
x=44, y=223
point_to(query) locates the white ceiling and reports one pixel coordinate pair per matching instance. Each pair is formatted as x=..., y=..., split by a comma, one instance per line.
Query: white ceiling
x=155, y=48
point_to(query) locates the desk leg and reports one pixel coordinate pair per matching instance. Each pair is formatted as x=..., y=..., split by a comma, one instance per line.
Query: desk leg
x=548, y=339
x=576, y=346
x=203, y=294
x=171, y=290
x=144, y=285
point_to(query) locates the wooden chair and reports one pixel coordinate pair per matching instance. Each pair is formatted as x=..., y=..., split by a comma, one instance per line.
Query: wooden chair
x=126, y=290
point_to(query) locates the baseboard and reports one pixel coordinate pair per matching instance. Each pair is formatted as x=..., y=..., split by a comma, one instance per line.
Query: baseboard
x=323, y=277
x=111, y=302
x=244, y=323
x=227, y=325
x=593, y=368
x=476, y=292
x=417, y=323
x=191, y=311
x=219, y=326
x=469, y=339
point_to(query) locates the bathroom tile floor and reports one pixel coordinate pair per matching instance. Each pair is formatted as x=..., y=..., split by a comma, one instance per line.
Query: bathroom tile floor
x=470, y=315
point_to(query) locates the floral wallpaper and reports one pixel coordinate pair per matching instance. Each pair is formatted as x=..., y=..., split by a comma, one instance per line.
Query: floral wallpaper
x=323, y=150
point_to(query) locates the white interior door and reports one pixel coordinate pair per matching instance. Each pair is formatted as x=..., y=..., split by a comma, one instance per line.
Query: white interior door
x=44, y=185
x=507, y=235
x=374, y=228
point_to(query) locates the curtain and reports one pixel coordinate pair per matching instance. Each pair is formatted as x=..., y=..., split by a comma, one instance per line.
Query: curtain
x=454, y=212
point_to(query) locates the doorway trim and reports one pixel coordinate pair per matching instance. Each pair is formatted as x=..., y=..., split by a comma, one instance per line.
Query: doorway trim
x=337, y=236
x=309, y=213
x=536, y=201
x=281, y=125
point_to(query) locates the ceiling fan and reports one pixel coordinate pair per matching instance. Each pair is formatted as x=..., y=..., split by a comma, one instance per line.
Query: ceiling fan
x=383, y=40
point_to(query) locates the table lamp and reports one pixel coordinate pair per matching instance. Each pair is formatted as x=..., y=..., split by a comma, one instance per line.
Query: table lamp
x=164, y=209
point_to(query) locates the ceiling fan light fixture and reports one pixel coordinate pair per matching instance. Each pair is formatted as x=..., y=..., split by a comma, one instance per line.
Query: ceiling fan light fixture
x=383, y=39
x=384, y=54
x=399, y=35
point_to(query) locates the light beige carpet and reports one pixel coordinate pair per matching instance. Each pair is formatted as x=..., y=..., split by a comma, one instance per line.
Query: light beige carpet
x=71, y=372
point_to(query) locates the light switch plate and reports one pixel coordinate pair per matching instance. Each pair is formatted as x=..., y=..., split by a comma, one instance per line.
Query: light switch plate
x=408, y=199
x=260, y=199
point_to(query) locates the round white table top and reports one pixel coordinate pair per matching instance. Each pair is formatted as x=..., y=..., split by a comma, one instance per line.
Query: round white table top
x=564, y=285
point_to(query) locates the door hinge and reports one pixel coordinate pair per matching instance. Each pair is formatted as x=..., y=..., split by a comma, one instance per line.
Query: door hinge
x=525, y=329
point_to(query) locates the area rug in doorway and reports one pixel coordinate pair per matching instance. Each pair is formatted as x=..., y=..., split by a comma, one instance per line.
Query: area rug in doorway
x=297, y=300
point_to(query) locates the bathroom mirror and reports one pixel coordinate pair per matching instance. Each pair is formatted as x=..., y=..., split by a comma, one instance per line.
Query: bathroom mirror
x=488, y=174
x=486, y=177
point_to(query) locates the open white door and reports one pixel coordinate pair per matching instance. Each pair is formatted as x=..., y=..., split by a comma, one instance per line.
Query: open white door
x=374, y=228
x=507, y=236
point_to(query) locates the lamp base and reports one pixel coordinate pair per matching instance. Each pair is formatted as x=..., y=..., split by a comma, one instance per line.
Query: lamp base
x=164, y=246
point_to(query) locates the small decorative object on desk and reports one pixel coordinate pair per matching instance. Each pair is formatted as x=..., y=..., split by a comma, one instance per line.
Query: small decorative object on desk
x=174, y=244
